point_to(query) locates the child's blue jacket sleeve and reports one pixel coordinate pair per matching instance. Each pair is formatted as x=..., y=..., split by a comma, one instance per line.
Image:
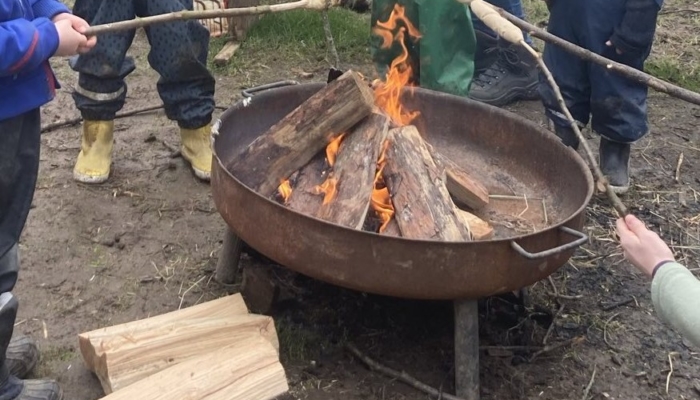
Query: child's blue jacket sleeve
x=25, y=43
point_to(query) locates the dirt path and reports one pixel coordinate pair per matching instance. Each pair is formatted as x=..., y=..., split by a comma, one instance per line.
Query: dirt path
x=147, y=242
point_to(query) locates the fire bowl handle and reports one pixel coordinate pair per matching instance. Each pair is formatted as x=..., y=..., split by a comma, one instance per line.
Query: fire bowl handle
x=249, y=92
x=582, y=238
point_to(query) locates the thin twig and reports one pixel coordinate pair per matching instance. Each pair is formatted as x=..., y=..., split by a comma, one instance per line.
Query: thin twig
x=551, y=326
x=605, y=331
x=77, y=120
x=330, y=42
x=590, y=383
x=670, y=363
x=207, y=14
x=678, y=168
x=400, y=376
x=182, y=298
x=547, y=349
x=617, y=304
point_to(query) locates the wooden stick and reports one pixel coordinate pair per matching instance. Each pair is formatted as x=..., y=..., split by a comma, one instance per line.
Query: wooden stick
x=208, y=14
x=622, y=69
x=602, y=180
x=401, y=376
x=511, y=32
x=330, y=42
x=74, y=121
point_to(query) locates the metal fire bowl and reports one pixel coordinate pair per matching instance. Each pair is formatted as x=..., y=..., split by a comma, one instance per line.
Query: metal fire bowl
x=512, y=157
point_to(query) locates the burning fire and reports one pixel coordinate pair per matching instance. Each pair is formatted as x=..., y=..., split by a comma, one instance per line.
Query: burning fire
x=388, y=93
x=332, y=149
x=381, y=199
x=285, y=190
x=328, y=188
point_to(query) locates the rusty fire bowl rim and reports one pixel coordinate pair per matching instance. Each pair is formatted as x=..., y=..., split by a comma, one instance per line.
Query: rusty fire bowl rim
x=473, y=103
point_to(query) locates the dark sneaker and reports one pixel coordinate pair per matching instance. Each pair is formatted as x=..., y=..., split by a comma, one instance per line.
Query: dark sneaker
x=33, y=389
x=486, y=52
x=22, y=356
x=567, y=136
x=614, y=163
x=511, y=78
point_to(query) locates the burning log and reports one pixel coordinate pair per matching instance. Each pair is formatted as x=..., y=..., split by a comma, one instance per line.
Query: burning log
x=354, y=173
x=298, y=137
x=304, y=196
x=464, y=188
x=424, y=209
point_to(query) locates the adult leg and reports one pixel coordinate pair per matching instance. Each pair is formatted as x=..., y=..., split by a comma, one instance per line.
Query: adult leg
x=101, y=90
x=19, y=166
x=505, y=72
x=618, y=104
x=179, y=54
x=570, y=73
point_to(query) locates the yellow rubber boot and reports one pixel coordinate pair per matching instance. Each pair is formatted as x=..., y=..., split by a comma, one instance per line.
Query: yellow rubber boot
x=196, y=149
x=95, y=158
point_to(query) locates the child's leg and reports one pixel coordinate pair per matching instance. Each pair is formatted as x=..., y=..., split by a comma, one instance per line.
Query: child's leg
x=618, y=104
x=101, y=90
x=569, y=71
x=19, y=166
x=179, y=54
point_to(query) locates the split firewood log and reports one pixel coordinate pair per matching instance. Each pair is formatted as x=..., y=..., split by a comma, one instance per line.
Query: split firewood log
x=292, y=142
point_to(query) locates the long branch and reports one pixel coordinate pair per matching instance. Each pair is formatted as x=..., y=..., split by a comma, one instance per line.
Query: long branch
x=602, y=180
x=622, y=69
x=208, y=14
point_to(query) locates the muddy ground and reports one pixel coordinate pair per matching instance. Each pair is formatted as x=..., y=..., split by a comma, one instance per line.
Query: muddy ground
x=147, y=242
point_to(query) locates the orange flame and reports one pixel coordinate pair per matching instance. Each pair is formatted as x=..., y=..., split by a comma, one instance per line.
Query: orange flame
x=381, y=199
x=328, y=188
x=332, y=149
x=388, y=94
x=285, y=190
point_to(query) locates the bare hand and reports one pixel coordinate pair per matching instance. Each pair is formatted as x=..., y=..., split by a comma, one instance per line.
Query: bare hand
x=610, y=44
x=69, y=40
x=642, y=247
x=80, y=26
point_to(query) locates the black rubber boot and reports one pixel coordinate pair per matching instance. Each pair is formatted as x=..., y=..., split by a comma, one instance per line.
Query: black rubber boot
x=614, y=163
x=567, y=136
x=512, y=77
x=486, y=52
x=13, y=388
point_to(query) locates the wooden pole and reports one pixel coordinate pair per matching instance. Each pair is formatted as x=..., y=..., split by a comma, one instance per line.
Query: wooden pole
x=467, y=349
x=622, y=69
x=208, y=14
x=507, y=30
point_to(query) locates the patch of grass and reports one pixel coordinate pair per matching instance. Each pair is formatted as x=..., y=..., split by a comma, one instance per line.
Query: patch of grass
x=682, y=74
x=296, y=37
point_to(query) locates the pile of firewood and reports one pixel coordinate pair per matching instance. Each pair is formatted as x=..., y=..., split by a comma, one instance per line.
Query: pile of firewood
x=214, y=350
x=339, y=157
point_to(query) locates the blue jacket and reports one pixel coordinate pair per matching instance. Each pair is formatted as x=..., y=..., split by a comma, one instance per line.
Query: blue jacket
x=27, y=39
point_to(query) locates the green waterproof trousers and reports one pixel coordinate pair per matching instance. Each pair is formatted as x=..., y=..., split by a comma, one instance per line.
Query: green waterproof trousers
x=443, y=58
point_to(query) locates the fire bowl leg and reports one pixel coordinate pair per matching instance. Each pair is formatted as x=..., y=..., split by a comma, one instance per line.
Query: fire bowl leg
x=227, y=266
x=467, y=349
